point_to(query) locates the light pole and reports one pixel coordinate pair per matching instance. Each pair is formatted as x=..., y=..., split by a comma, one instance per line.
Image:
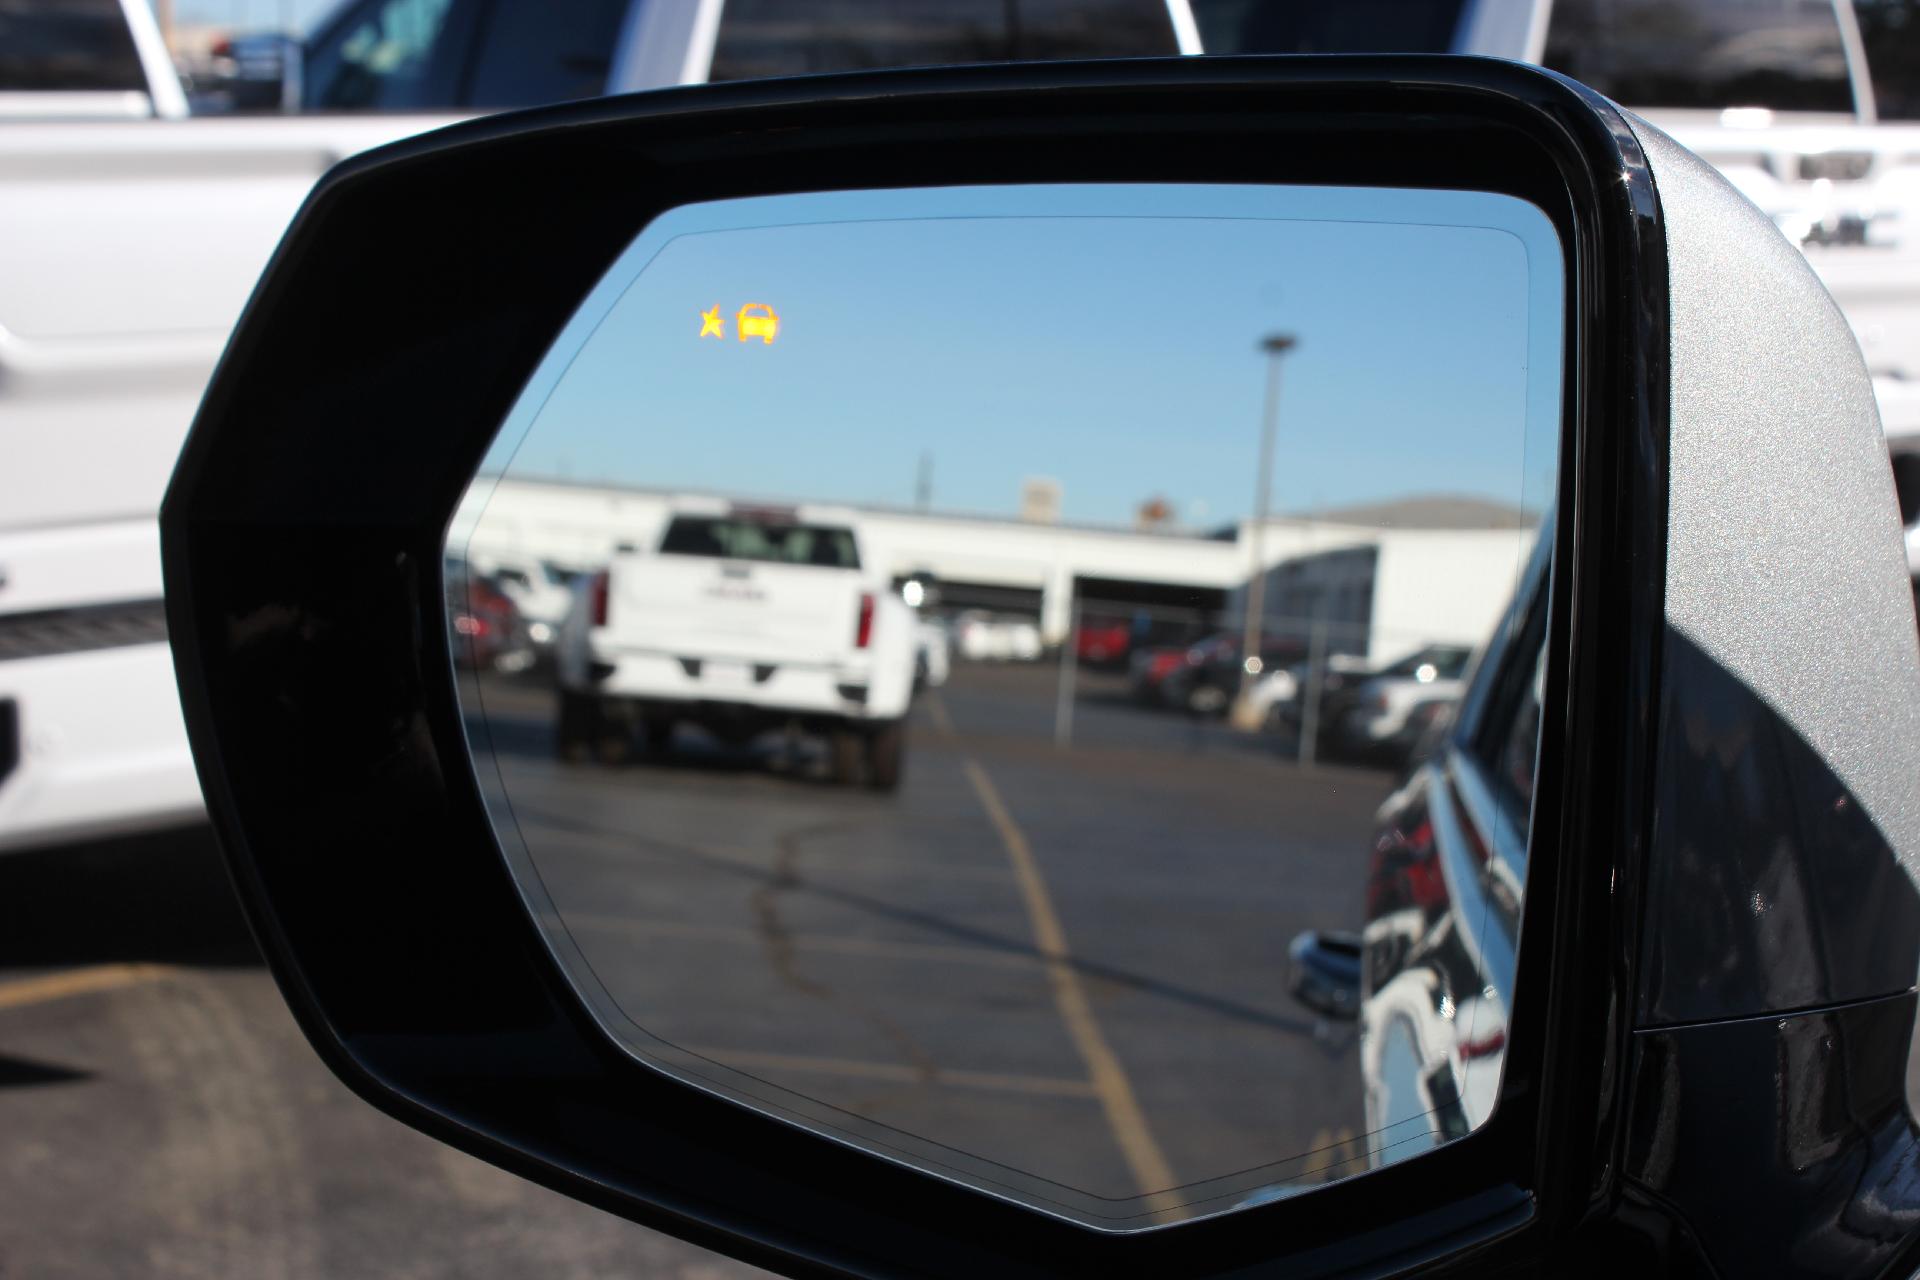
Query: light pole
x=1275, y=345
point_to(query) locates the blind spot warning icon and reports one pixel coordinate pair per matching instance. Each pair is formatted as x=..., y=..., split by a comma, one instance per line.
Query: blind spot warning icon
x=757, y=320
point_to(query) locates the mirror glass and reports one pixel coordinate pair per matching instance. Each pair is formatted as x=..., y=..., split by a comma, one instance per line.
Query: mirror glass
x=941, y=663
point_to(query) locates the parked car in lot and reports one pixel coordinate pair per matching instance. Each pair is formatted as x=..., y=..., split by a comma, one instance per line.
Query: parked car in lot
x=1211, y=672
x=541, y=591
x=987, y=637
x=1148, y=670
x=1103, y=643
x=1383, y=715
x=740, y=619
x=488, y=632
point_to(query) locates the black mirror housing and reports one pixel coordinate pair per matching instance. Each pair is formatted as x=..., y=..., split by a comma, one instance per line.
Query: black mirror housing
x=412, y=298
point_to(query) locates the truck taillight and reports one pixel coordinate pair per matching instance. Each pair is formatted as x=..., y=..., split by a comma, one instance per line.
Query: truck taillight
x=597, y=599
x=863, y=634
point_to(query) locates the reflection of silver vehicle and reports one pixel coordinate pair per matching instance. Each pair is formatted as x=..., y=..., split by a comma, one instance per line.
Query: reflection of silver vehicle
x=1391, y=710
x=740, y=620
x=1429, y=976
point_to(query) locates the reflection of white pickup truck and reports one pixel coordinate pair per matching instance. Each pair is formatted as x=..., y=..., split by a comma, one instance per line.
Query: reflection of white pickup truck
x=741, y=620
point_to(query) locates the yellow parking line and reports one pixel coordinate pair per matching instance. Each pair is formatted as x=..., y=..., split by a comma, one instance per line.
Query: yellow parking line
x=891, y=1071
x=1151, y=1172
x=77, y=982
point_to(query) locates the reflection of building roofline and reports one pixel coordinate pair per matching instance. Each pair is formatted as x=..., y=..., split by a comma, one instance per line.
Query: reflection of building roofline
x=1411, y=512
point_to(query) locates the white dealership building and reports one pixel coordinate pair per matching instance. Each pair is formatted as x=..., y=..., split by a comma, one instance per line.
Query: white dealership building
x=1383, y=579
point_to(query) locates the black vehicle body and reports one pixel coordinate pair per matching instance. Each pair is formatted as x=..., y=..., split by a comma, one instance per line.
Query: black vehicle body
x=1690, y=1085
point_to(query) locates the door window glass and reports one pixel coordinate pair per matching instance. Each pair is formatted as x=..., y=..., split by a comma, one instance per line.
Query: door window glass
x=797, y=37
x=385, y=56
x=1709, y=54
x=533, y=52
x=66, y=45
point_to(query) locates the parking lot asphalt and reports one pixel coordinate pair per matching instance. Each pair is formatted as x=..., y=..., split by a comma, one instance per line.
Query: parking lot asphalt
x=1069, y=962
x=162, y=1116
x=1059, y=971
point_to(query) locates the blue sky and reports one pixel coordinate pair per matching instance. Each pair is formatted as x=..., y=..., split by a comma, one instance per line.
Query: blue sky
x=1013, y=333
x=254, y=15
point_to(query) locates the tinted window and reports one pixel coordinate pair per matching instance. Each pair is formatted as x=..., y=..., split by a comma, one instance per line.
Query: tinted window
x=535, y=51
x=1313, y=26
x=1508, y=742
x=1891, y=31
x=1783, y=54
x=734, y=539
x=795, y=37
x=67, y=44
x=384, y=55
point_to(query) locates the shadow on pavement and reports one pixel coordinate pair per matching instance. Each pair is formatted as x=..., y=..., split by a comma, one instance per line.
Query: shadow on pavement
x=162, y=898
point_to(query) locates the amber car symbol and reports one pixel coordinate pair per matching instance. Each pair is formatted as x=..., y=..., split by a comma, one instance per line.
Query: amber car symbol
x=757, y=320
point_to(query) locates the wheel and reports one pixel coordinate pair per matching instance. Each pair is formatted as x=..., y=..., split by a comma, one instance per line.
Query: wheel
x=886, y=756
x=846, y=751
x=613, y=744
x=575, y=726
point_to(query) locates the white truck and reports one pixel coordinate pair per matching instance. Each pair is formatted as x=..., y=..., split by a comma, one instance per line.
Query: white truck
x=131, y=235
x=739, y=620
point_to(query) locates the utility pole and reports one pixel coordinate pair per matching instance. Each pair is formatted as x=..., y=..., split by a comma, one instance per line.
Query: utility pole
x=1275, y=345
x=923, y=482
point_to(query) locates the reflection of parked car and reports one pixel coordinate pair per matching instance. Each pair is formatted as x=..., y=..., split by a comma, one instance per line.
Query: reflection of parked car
x=1209, y=678
x=1148, y=669
x=985, y=638
x=1431, y=974
x=1283, y=705
x=741, y=620
x=1388, y=712
x=933, y=654
x=541, y=591
x=1103, y=642
x=1271, y=695
x=488, y=633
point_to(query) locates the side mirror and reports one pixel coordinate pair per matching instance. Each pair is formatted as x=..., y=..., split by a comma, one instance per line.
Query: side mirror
x=742, y=915
x=1325, y=973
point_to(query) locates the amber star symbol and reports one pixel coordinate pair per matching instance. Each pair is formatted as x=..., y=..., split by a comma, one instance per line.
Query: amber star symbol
x=710, y=324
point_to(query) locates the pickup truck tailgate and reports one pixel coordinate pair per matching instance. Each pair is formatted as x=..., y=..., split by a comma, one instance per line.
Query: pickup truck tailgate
x=693, y=607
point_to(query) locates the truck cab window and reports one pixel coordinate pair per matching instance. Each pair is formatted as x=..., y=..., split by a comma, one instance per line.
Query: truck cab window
x=1786, y=55
x=797, y=37
x=67, y=45
x=1890, y=30
x=1352, y=26
x=383, y=55
x=532, y=52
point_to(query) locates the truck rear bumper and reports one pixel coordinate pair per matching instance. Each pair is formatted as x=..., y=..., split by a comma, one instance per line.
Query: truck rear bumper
x=659, y=679
x=99, y=747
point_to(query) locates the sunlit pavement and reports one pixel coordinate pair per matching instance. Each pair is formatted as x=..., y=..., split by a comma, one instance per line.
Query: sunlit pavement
x=160, y=1114
x=1068, y=962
